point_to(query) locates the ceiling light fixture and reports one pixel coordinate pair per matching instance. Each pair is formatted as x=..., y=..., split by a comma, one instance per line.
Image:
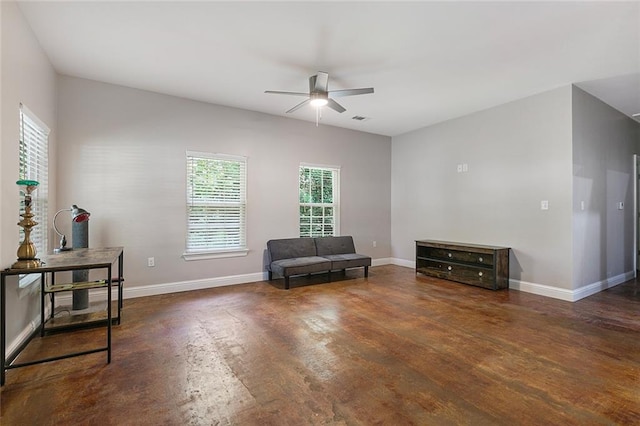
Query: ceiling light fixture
x=319, y=99
x=319, y=102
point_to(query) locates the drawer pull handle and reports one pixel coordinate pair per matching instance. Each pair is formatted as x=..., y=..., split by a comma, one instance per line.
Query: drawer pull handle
x=449, y=268
x=480, y=273
x=480, y=259
x=449, y=254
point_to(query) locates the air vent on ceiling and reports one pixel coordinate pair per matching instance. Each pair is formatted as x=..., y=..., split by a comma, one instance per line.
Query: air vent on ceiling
x=359, y=118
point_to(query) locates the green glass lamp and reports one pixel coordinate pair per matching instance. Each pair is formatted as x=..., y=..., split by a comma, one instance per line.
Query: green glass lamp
x=27, y=250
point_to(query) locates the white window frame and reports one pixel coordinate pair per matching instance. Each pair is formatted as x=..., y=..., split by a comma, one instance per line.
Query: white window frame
x=34, y=147
x=233, y=250
x=335, y=170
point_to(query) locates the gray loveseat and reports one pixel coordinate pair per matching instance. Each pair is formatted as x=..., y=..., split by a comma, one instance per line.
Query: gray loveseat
x=300, y=256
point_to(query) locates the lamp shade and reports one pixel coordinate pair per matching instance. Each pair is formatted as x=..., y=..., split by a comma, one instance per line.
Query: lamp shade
x=78, y=214
x=27, y=182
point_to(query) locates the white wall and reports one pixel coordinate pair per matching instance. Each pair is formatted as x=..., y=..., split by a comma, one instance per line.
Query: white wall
x=27, y=77
x=604, y=141
x=517, y=154
x=122, y=157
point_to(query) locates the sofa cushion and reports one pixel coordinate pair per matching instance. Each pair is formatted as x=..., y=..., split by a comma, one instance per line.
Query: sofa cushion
x=347, y=260
x=289, y=248
x=335, y=245
x=300, y=265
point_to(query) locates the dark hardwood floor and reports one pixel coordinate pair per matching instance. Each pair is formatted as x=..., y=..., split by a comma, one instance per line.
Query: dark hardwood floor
x=393, y=349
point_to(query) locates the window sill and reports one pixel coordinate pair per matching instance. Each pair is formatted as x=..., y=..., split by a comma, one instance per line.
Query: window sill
x=28, y=279
x=214, y=254
x=28, y=285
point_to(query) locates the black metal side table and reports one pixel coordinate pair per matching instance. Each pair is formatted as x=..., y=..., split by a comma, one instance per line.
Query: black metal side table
x=78, y=259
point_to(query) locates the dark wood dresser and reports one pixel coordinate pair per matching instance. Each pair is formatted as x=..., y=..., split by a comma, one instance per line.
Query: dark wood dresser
x=474, y=264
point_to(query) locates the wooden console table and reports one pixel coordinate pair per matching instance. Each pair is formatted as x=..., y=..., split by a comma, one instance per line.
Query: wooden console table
x=474, y=264
x=77, y=259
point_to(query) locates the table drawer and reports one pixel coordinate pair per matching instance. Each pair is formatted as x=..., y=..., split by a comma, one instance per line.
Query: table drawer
x=455, y=272
x=459, y=256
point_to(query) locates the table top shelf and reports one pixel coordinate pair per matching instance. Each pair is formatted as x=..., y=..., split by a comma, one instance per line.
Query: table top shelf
x=76, y=259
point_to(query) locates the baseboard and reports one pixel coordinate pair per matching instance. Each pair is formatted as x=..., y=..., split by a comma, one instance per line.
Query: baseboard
x=570, y=295
x=382, y=261
x=403, y=262
x=541, y=290
x=22, y=337
x=165, y=288
x=597, y=287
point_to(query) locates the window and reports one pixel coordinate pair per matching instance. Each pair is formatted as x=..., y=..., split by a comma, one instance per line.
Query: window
x=319, y=201
x=216, y=205
x=33, y=164
x=33, y=155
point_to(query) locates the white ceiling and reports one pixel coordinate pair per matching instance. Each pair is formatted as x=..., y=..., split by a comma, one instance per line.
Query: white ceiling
x=428, y=61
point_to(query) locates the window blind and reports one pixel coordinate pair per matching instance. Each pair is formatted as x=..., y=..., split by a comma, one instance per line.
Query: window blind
x=216, y=202
x=33, y=152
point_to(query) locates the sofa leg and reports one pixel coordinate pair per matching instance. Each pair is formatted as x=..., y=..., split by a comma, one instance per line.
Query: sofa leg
x=270, y=275
x=329, y=276
x=286, y=283
x=366, y=271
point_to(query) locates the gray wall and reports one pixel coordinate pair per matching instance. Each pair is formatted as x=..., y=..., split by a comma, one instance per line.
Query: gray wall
x=518, y=154
x=27, y=77
x=122, y=157
x=604, y=141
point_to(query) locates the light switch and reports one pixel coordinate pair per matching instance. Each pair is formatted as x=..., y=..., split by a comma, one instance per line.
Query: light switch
x=544, y=205
x=620, y=205
x=459, y=168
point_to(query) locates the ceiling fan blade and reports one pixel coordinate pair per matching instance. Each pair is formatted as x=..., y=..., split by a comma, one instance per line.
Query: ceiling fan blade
x=335, y=106
x=300, y=105
x=321, y=83
x=276, y=92
x=350, y=92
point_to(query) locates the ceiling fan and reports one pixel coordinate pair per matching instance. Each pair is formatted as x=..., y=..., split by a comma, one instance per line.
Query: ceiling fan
x=319, y=93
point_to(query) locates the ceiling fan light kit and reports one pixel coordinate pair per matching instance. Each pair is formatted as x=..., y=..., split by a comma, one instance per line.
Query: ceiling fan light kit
x=318, y=100
x=319, y=94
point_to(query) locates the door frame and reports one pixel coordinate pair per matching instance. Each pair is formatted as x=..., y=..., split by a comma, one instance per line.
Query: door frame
x=636, y=214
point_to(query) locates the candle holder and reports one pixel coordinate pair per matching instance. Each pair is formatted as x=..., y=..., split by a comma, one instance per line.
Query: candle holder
x=27, y=250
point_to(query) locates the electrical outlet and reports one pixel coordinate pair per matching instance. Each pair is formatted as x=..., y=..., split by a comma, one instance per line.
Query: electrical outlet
x=544, y=205
x=151, y=262
x=459, y=168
